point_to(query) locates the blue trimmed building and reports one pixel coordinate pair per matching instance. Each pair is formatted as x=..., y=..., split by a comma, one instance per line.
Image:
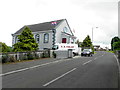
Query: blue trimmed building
x=48, y=33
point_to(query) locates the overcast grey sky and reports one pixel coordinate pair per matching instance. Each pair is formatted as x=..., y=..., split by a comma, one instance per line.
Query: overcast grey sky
x=81, y=15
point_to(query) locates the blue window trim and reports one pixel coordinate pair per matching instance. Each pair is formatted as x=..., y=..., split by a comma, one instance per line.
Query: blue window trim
x=37, y=38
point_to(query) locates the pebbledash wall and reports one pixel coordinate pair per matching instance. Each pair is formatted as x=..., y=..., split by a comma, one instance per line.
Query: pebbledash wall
x=45, y=37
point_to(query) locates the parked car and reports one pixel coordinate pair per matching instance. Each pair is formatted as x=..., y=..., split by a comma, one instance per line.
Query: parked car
x=87, y=52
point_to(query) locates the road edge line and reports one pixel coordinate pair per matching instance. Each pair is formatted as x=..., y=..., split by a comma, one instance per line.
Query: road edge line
x=31, y=67
x=118, y=71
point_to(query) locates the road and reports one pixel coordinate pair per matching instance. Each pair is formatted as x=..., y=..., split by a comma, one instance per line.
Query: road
x=99, y=71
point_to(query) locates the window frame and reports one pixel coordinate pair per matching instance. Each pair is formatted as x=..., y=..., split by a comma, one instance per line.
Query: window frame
x=37, y=38
x=46, y=37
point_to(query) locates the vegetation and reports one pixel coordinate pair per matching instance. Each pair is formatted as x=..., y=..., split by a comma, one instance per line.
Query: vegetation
x=4, y=48
x=87, y=43
x=54, y=54
x=115, y=43
x=26, y=41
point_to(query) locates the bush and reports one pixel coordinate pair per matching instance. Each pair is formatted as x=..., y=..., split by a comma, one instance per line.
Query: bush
x=5, y=58
x=24, y=57
x=12, y=59
x=30, y=56
x=45, y=55
x=54, y=54
x=36, y=56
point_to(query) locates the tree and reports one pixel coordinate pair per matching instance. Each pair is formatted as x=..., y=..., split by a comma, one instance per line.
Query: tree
x=116, y=45
x=4, y=47
x=87, y=43
x=115, y=39
x=26, y=41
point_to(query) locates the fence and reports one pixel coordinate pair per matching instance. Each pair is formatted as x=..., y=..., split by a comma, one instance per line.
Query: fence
x=16, y=56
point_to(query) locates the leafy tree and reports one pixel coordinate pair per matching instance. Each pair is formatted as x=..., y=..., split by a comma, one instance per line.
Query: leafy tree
x=10, y=49
x=26, y=41
x=116, y=45
x=4, y=47
x=115, y=39
x=87, y=43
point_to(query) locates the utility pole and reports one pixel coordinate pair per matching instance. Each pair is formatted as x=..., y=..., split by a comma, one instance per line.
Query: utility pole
x=92, y=33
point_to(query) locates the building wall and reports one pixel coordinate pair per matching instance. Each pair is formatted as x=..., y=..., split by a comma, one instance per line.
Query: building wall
x=58, y=36
x=60, y=32
x=43, y=45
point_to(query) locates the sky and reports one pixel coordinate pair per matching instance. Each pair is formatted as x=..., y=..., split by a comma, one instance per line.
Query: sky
x=82, y=16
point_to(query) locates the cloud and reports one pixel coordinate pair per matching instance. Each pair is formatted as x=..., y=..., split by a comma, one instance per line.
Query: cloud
x=82, y=15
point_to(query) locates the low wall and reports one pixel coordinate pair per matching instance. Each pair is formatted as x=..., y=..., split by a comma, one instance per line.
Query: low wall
x=118, y=55
x=15, y=56
x=63, y=54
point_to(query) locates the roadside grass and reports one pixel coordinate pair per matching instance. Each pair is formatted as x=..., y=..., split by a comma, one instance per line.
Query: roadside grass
x=110, y=51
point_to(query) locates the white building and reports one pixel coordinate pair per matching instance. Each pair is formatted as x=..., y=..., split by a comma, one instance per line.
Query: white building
x=49, y=33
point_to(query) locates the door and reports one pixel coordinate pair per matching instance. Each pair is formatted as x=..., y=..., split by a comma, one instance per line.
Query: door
x=63, y=40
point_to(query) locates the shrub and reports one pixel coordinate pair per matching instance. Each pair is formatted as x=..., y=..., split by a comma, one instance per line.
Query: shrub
x=36, y=56
x=45, y=55
x=24, y=57
x=54, y=54
x=12, y=59
x=5, y=58
x=30, y=56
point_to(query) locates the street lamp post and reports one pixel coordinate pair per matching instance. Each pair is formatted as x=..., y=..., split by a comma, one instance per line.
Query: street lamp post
x=92, y=33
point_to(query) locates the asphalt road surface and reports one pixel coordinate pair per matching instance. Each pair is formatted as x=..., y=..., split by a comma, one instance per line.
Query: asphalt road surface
x=99, y=71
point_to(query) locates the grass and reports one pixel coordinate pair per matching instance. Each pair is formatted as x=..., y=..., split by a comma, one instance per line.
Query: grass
x=110, y=51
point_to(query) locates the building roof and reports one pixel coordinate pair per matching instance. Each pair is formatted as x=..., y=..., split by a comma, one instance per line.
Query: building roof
x=41, y=26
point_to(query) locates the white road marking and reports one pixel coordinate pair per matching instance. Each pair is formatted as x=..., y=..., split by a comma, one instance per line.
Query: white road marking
x=59, y=77
x=20, y=70
x=117, y=61
x=87, y=62
x=95, y=58
x=14, y=71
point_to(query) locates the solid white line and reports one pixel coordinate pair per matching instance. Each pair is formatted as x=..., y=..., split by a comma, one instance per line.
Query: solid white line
x=14, y=71
x=87, y=62
x=11, y=72
x=117, y=61
x=59, y=77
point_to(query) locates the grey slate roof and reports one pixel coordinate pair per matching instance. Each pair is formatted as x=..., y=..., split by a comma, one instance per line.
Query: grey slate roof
x=41, y=26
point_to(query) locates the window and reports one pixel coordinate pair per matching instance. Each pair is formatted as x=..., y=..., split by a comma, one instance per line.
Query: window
x=16, y=39
x=37, y=38
x=65, y=29
x=46, y=38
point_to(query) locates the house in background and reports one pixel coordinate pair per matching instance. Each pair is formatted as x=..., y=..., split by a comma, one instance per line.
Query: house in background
x=96, y=47
x=49, y=33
